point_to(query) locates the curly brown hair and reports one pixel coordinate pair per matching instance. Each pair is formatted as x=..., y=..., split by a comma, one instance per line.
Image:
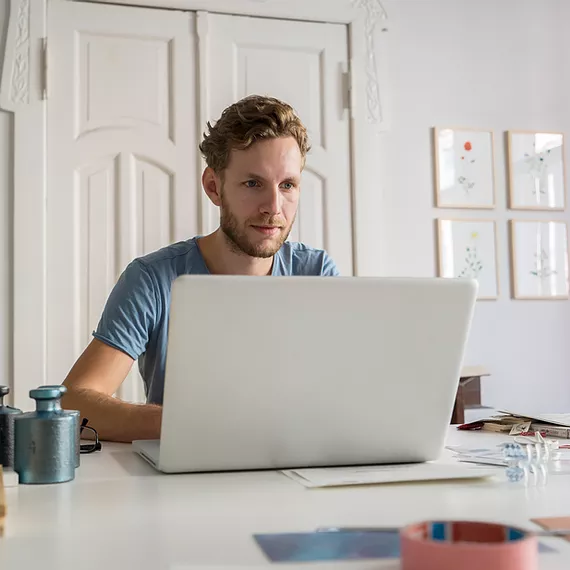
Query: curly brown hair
x=251, y=119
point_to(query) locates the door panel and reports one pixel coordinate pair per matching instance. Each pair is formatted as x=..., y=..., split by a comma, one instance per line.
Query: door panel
x=94, y=237
x=122, y=159
x=301, y=63
x=123, y=81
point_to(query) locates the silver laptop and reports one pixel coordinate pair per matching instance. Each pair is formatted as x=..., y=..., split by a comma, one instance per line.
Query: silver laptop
x=284, y=372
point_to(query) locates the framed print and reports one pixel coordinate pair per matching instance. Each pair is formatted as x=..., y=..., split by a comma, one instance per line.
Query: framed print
x=468, y=249
x=539, y=259
x=464, y=168
x=537, y=172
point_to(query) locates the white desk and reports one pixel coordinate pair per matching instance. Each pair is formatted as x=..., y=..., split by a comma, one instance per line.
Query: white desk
x=120, y=513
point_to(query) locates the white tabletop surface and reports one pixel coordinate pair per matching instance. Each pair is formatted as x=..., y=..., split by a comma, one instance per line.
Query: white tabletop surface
x=120, y=513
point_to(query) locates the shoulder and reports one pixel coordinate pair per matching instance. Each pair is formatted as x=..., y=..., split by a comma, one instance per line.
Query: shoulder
x=300, y=259
x=169, y=254
x=147, y=280
x=173, y=260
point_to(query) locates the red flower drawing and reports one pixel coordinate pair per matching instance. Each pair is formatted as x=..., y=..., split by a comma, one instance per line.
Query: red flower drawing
x=467, y=146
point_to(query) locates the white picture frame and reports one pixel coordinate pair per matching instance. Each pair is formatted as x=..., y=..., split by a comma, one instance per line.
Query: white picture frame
x=539, y=259
x=464, y=168
x=467, y=248
x=537, y=171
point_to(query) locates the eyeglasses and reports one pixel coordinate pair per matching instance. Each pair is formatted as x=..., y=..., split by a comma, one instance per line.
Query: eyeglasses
x=89, y=447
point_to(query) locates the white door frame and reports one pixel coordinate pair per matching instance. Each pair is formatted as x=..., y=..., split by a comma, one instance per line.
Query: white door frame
x=23, y=92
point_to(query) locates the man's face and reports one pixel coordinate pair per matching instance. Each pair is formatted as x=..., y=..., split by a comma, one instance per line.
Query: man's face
x=260, y=194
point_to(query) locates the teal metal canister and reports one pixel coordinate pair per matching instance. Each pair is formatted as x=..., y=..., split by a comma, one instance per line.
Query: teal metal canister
x=7, y=415
x=45, y=440
x=76, y=413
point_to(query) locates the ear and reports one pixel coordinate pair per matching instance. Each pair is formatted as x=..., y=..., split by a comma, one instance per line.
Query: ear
x=212, y=185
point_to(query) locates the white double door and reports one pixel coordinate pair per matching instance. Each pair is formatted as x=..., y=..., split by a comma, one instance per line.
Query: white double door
x=129, y=92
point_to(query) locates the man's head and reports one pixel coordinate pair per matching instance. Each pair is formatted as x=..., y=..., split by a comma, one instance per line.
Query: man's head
x=255, y=155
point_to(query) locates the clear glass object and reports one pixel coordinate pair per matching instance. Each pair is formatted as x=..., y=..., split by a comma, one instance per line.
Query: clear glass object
x=528, y=463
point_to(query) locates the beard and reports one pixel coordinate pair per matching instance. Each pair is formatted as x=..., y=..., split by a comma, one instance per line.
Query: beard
x=236, y=233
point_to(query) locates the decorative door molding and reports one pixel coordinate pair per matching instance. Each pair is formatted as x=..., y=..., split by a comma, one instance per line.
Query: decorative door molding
x=21, y=91
x=363, y=17
x=19, y=78
x=375, y=12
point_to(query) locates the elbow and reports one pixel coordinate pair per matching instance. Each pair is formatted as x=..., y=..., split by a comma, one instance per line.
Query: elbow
x=74, y=399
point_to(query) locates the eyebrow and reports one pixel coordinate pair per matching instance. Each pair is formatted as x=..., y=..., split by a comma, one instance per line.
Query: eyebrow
x=290, y=178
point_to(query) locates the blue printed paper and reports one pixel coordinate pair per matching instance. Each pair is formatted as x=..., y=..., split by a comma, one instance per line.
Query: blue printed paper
x=327, y=546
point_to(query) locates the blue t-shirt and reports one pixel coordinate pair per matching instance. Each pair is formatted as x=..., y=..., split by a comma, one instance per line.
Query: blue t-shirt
x=135, y=318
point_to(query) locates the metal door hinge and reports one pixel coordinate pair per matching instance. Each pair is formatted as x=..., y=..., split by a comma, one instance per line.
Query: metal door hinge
x=348, y=89
x=44, y=67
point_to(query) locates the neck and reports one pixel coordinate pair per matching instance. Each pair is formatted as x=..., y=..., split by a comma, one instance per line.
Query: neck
x=223, y=259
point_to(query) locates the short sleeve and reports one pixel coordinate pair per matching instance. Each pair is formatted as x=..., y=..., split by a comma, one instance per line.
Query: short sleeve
x=130, y=313
x=329, y=268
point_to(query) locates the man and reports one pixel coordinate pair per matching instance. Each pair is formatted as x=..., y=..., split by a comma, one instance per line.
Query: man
x=255, y=154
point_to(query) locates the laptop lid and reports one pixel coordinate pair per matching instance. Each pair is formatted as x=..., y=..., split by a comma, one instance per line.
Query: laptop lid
x=281, y=372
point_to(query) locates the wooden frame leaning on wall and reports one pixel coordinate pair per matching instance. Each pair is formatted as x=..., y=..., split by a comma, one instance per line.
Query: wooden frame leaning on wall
x=24, y=90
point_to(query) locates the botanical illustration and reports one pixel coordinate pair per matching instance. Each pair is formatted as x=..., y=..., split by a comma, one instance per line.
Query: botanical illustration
x=464, y=168
x=466, y=180
x=473, y=262
x=540, y=259
x=467, y=250
x=542, y=268
x=536, y=171
x=537, y=164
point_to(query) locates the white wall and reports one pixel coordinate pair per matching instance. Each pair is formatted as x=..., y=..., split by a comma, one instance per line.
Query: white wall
x=500, y=65
x=6, y=124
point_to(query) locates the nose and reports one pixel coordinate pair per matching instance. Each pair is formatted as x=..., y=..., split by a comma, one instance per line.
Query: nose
x=271, y=205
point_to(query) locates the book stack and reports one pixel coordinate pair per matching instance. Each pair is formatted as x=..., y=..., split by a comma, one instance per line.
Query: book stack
x=548, y=425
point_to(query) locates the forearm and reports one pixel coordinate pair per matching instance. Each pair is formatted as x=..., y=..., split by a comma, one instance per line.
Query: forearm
x=114, y=419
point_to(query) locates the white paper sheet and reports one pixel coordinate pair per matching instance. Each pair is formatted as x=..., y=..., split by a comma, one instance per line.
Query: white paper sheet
x=10, y=478
x=494, y=456
x=556, y=419
x=377, y=474
x=482, y=456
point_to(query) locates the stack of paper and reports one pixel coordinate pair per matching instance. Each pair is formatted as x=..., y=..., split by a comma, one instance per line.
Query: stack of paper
x=9, y=477
x=481, y=456
x=494, y=456
x=369, y=475
x=553, y=425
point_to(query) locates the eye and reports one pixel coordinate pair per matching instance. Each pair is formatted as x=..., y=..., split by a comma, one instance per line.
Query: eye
x=287, y=186
x=251, y=183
